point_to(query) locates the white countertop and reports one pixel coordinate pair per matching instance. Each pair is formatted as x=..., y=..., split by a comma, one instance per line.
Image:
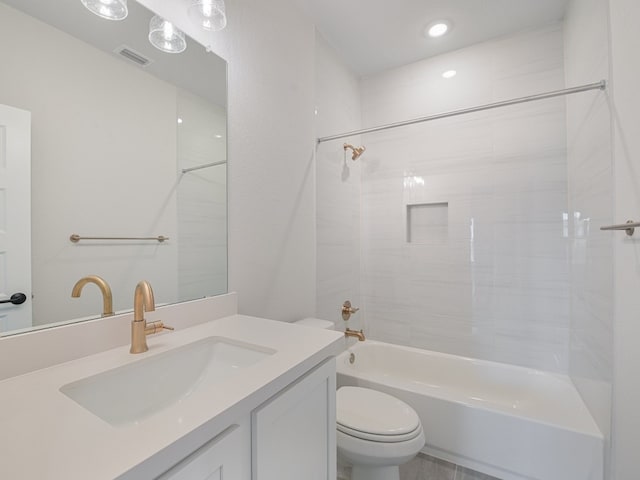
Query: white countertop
x=46, y=435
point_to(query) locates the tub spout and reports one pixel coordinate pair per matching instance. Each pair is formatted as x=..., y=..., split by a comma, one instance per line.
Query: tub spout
x=355, y=333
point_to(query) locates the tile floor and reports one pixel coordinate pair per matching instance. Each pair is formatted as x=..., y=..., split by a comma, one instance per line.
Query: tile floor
x=424, y=467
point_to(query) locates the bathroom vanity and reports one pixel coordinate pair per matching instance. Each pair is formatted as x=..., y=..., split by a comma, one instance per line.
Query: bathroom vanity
x=234, y=398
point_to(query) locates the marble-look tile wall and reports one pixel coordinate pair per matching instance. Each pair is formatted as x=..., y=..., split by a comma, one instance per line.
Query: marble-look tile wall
x=338, y=188
x=488, y=276
x=201, y=198
x=589, y=155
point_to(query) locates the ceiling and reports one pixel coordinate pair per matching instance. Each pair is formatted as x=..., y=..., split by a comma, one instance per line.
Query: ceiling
x=375, y=35
x=195, y=70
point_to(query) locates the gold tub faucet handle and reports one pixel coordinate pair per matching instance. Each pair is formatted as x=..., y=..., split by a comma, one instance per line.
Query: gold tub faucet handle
x=348, y=310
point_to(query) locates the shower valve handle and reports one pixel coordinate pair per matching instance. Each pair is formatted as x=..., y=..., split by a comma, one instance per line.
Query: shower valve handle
x=348, y=310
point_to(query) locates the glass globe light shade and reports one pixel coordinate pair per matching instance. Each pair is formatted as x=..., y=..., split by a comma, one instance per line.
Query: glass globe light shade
x=208, y=14
x=165, y=36
x=109, y=9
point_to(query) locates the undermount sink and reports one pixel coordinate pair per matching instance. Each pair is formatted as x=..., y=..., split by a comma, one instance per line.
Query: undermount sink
x=132, y=392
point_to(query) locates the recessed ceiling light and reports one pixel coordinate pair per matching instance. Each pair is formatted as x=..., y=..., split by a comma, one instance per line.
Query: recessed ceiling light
x=179, y=121
x=437, y=29
x=449, y=74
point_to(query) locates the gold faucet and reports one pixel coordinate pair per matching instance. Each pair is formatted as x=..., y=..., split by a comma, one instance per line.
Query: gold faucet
x=354, y=333
x=107, y=297
x=143, y=301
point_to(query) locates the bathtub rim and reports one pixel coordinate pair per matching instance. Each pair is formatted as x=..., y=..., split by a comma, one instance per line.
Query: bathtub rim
x=591, y=430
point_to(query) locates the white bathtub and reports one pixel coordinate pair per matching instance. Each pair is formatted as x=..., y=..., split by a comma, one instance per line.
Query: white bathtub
x=511, y=422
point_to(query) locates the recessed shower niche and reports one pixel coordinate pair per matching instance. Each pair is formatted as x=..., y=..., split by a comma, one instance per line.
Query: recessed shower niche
x=428, y=222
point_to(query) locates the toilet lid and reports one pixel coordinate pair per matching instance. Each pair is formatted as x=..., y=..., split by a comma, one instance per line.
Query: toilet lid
x=372, y=412
x=371, y=437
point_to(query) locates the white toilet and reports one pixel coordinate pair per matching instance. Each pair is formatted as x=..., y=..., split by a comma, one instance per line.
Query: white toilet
x=376, y=432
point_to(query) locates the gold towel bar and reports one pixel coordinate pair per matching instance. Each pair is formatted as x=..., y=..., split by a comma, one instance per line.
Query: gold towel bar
x=629, y=227
x=75, y=238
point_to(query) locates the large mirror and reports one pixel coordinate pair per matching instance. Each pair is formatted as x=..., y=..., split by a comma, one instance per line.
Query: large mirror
x=125, y=142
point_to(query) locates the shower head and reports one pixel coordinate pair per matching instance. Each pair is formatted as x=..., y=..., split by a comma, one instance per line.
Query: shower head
x=357, y=151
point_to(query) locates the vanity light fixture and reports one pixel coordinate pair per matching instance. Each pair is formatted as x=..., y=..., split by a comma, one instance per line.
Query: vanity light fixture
x=109, y=9
x=449, y=74
x=437, y=29
x=165, y=36
x=208, y=14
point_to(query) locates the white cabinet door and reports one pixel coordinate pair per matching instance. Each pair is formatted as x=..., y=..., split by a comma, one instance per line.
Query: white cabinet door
x=226, y=457
x=293, y=434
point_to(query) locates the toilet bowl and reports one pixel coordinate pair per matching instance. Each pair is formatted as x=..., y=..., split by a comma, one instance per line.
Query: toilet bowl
x=376, y=433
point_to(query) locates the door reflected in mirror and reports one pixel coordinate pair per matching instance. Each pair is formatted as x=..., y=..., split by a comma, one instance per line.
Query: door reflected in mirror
x=125, y=142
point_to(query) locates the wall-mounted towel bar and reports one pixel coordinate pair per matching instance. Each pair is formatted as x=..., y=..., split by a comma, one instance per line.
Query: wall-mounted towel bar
x=629, y=227
x=75, y=238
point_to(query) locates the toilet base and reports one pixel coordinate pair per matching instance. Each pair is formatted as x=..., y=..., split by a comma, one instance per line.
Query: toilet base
x=360, y=472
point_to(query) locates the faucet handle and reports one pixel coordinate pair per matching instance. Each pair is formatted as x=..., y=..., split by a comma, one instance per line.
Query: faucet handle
x=156, y=327
x=348, y=310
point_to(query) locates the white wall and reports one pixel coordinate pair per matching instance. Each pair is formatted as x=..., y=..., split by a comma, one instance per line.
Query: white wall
x=270, y=50
x=590, y=181
x=88, y=162
x=626, y=107
x=488, y=277
x=338, y=188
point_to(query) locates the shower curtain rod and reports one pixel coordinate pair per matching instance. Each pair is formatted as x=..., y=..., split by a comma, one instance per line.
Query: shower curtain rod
x=601, y=85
